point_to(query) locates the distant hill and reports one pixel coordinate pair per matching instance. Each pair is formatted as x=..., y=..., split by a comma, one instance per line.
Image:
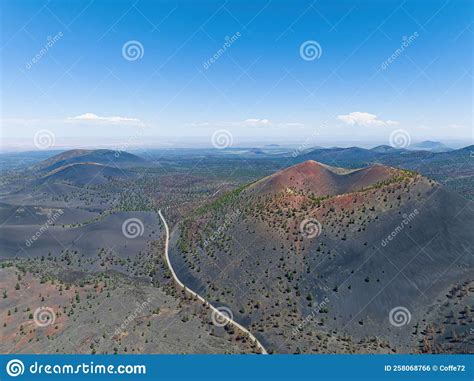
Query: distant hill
x=429, y=145
x=86, y=174
x=256, y=151
x=385, y=149
x=119, y=159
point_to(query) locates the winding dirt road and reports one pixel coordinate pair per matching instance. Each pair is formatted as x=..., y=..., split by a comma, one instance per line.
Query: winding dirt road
x=214, y=309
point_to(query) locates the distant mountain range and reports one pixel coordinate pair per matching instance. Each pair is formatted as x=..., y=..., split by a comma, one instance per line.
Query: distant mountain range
x=355, y=157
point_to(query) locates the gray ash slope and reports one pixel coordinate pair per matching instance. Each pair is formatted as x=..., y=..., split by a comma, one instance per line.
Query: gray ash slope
x=86, y=259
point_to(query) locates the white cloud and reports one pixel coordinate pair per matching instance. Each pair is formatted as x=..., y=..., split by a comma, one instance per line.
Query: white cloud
x=90, y=117
x=365, y=119
x=255, y=122
x=198, y=124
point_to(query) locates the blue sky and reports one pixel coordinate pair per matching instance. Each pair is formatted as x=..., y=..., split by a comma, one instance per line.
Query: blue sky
x=380, y=66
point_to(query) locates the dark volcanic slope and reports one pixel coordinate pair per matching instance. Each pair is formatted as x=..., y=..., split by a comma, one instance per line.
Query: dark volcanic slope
x=101, y=156
x=313, y=274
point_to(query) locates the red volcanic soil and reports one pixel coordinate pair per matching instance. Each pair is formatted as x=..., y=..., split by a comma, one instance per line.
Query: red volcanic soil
x=321, y=179
x=365, y=177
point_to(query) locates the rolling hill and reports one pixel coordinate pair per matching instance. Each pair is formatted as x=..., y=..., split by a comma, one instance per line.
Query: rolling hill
x=110, y=158
x=85, y=174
